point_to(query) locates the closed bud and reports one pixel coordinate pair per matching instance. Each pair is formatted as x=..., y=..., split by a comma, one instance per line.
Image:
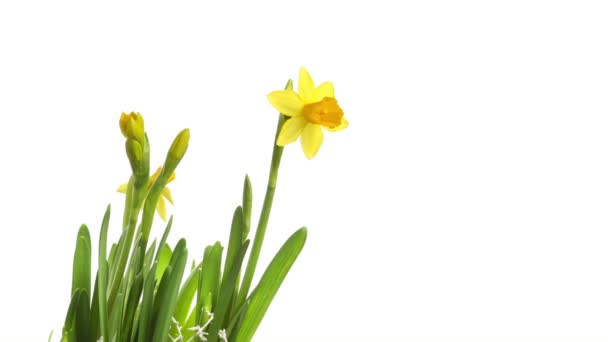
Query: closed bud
x=124, y=122
x=132, y=126
x=180, y=145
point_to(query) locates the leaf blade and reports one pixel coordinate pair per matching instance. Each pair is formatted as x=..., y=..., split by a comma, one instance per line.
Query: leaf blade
x=269, y=284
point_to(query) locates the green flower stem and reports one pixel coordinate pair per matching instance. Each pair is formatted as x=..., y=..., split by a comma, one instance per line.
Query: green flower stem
x=277, y=152
x=128, y=199
x=138, y=191
x=174, y=157
x=152, y=200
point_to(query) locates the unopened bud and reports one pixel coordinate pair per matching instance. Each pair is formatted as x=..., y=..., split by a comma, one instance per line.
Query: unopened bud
x=180, y=145
x=132, y=126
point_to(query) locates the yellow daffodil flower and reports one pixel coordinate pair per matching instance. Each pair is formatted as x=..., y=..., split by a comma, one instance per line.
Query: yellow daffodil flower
x=161, y=207
x=310, y=109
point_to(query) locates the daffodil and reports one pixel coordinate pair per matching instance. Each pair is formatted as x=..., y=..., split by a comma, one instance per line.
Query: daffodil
x=161, y=206
x=309, y=110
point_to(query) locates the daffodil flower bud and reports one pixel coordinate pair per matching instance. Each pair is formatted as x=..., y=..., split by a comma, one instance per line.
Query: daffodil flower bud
x=180, y=145
x=132, y=126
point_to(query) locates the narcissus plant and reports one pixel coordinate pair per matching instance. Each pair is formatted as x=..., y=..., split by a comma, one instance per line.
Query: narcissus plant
x=143, y=290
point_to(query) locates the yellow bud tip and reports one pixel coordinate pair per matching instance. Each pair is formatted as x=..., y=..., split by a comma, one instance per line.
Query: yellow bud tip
x=123, y=122
x=132, y=126
x=180, y=145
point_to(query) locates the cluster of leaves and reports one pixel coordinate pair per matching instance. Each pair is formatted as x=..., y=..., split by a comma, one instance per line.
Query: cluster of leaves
x=140, y=292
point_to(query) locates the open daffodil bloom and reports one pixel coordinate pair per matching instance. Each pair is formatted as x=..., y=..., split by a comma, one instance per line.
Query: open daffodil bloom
x=161, y=206
x=310, y=109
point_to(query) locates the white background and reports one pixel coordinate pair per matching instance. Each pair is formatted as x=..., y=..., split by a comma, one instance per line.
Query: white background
x=467, y=201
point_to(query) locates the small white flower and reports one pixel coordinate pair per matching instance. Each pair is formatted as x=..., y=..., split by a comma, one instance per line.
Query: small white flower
x=222, y=335
x=179, y=337
x=199, y=331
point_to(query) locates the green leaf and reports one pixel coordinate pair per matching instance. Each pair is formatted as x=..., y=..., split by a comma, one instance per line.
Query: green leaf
x=163, y=261
x=247, y=203
x=234, y=246
x=186, y=295
x=235, y=241
x=147, y=303
x=226, y=294
x=237, y=231
x=190, y=322
x=132, y=302
x=164, y=238
x=114, y=318
x=103, y=276
x=112, y=257
x=200, y=297
x=166, y=297
x=210, y=280
x=149, y=255
x=130, y=293
x=269, y=285
x=237, y=320
x=81, y=273
x=83, y=318
x=94, y=325
x=69, y=326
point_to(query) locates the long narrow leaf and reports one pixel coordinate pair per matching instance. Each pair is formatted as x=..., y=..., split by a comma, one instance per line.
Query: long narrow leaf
x=269, y=285
x=69, y=326
x=210, y=280
x=168, y=297
x=164, y=238
x=226, y=294
x=81, y=273
x=147, y=302
x=103, y=276
x=163, y=259
x=94, y=326
x=83, y=318
x=247, y=203
x=235, y=241
x=198, y=308
x=186, y=295
x=114, y=318
x=131, y=306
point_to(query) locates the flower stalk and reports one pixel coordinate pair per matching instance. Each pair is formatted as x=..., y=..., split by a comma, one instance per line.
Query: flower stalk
x=277, y=153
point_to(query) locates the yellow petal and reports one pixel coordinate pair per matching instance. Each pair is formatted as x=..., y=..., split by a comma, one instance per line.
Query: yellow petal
x=287, y=102
x=291, y=130
x=161, y=208
x=326, y=89
x=122, y=188
x=306, y=86
x=171, y=177
x=312, y=138
x=343, y=125
x=155, y=175
x=166, y=193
